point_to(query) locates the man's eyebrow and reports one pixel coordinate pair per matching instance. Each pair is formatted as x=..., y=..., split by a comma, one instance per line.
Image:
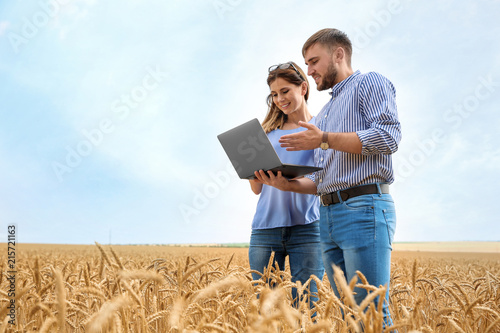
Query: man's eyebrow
x=310, y=59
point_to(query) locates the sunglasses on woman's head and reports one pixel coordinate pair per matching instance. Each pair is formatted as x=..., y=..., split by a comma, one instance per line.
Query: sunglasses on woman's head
x=286, y=65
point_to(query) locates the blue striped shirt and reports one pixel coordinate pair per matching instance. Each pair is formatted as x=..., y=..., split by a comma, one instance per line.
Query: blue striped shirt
x=365, y=104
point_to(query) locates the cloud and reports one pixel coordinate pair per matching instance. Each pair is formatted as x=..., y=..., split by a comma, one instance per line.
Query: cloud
x=78, y=71
x=4, y=25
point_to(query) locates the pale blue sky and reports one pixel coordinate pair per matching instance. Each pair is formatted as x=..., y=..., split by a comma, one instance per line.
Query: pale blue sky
x=110, y=110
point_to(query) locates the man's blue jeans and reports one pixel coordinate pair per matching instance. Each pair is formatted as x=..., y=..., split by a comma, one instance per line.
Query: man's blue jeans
x=356, y=235
x=301, y=243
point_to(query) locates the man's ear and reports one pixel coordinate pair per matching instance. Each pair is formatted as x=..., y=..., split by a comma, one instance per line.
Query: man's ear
x=338, y=54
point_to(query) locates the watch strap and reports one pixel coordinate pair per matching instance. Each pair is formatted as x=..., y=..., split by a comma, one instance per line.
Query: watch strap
x=325, y=137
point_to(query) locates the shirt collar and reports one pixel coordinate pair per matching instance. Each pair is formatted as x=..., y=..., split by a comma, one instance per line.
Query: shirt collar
x=336, y=89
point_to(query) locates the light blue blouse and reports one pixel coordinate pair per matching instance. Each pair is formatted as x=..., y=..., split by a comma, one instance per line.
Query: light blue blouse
x=276, y=208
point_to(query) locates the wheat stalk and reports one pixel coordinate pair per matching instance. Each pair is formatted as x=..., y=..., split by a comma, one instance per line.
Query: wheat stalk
x=103, y=319
x=61, y=300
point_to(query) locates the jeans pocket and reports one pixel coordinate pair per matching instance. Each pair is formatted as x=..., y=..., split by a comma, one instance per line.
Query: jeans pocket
x=361, y=203
x=390, y=221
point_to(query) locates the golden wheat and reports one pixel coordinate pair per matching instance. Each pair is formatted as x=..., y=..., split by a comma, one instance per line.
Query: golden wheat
x=165, y=289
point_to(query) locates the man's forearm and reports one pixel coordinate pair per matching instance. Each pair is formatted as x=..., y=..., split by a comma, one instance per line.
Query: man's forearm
x=346, y=142
x=302, y=185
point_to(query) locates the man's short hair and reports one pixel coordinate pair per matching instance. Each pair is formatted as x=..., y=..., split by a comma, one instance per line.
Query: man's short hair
x=330, y=38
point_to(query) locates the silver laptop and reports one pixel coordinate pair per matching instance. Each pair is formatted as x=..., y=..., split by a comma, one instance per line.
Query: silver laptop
x=249, y=150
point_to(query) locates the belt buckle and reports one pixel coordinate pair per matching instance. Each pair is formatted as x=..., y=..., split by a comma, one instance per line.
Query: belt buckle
x=324, y=196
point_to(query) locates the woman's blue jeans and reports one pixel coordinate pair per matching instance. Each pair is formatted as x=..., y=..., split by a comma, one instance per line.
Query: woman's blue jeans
x=356, y=235
x=301, y=243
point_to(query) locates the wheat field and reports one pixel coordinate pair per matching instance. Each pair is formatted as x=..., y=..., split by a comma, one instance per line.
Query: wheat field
x=171, y=289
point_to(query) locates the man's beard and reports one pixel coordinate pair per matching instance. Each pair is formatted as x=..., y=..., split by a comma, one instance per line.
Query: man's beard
x=329, y=79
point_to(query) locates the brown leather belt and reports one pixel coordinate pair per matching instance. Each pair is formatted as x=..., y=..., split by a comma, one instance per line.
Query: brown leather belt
x=333, y=197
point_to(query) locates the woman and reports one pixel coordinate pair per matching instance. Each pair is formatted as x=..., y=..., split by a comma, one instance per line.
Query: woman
x=287, y=222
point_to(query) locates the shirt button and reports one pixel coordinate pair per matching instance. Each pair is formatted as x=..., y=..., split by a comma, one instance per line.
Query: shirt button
x=322, y=159
x=321, y=180
x=325, y=115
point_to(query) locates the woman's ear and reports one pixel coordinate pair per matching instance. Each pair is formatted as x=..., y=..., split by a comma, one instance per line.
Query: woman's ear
x=303, y=87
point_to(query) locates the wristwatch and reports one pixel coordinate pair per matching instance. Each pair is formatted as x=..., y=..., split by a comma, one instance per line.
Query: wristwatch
x=324, y=144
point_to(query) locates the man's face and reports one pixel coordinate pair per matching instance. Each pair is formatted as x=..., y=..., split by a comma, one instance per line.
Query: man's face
x=320, y=66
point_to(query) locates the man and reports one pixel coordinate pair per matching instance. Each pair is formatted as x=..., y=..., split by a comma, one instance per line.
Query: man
x=356, y=133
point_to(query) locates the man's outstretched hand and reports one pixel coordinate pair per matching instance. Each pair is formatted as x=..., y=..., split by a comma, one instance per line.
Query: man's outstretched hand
x=305, y=140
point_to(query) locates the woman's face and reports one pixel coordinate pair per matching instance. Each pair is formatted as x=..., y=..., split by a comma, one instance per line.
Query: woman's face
x=287, y=96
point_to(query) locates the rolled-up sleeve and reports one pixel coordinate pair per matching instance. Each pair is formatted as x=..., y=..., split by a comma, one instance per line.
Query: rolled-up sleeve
x=311, y=176
x=378, y=108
